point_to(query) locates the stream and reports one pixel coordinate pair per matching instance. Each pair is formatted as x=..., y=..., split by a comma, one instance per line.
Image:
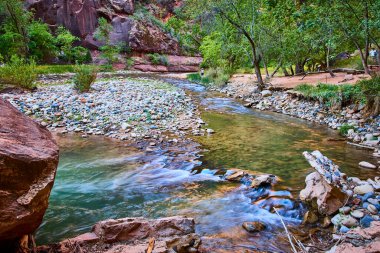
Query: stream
x=99, y=178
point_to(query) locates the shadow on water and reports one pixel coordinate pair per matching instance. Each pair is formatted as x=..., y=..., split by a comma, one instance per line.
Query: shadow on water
x=98, y=178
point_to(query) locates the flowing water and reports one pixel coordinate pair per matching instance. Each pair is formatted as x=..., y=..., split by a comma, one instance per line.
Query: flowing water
x=99, y=178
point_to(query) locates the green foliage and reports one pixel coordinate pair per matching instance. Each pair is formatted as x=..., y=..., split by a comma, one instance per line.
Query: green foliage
x=41, y=41
x=129, y=62
x=343, y=130
x=331, y=95
x=158, y=59
x=371, y=92
x=85, y=76
x=19, y=72
x=108, y=51
x=67, y=51
x=212, y=77
x=197, y=78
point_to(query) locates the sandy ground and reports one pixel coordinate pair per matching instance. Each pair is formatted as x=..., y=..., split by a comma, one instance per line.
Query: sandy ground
x=293, y=81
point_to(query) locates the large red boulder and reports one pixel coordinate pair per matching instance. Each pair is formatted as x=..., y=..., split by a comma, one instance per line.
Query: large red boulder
x=28, y=164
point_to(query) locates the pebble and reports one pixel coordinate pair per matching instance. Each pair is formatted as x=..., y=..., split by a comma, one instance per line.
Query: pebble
x=349, y=221
x=372, y=209
x=344, y=229
x=357, y=214
x=366, y=221
x=363, y=189
x=345, y=210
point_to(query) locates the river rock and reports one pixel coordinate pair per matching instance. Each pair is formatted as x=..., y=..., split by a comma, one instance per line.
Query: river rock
x=131, y=229
x=360, y=240
x=263, y=180
x=357, y=214
x=254, y=226
x=367, y=165
x=130, y=235
x=363, y=189
x=28, y=162
x=349, y=221
x=266, y=93
x=372, y=209
x=328, y=198
x=345, y=209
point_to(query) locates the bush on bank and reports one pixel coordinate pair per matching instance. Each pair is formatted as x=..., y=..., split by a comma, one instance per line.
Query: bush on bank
x=19, y=72
x=85, y=76
x=338, y=96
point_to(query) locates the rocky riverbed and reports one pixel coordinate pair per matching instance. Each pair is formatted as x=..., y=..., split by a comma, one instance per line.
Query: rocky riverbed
x=122, y=108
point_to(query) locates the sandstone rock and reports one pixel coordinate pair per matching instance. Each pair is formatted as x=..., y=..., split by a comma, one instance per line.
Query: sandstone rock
x=131, y=229
x=328, y=198
x=360, y=240
x=132, y=235
x=28, y=162
x=367, y=165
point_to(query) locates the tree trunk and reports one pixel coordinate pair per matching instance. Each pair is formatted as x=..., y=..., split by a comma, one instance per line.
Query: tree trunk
x=300, y=67
x=286, y=73
x=258, y=75
x=364, y=60
x=328, y=62
x=291, y=70
x=378, y=56
x=275, y=70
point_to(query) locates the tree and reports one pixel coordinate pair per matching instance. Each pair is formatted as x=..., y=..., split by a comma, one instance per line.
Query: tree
x=242, y=17
x=15, y=28
x=102, y=33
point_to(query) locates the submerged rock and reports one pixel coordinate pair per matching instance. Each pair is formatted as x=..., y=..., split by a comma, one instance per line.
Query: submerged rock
x=263, y=180
x=367, y=165
x=28, y=162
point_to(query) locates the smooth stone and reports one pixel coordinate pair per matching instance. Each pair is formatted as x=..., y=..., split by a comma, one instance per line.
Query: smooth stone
x=344, y=229
x=367, y=196
x=357, y=214
x=349, y=221
x=254, y=226
x=366, y=221
x=373, y=201
x=367, y=165
x=210, y=131
x=363, y=189
x=372, y=209
x=345, y=209
x=337, y=219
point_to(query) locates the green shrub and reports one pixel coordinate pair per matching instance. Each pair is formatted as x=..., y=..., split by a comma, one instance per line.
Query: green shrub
x=370, y=90
x=129, y=63
x=19, y=72
x=331, y=95
x=212, y=77
x=157, y=59
x=343, y=130
x=85, y=76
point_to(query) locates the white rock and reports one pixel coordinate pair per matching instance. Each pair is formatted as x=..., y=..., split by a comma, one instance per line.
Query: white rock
x=363, y=189
x=266, y=93
x=367, y=165
x=357, y=214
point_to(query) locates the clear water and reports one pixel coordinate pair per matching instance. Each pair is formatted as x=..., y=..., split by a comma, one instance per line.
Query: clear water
x=100, y=178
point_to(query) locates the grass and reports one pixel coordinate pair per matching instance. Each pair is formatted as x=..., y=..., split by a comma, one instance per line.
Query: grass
x=343, y=130
x=331, y=95
x=158, y=59
x=54, y=69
